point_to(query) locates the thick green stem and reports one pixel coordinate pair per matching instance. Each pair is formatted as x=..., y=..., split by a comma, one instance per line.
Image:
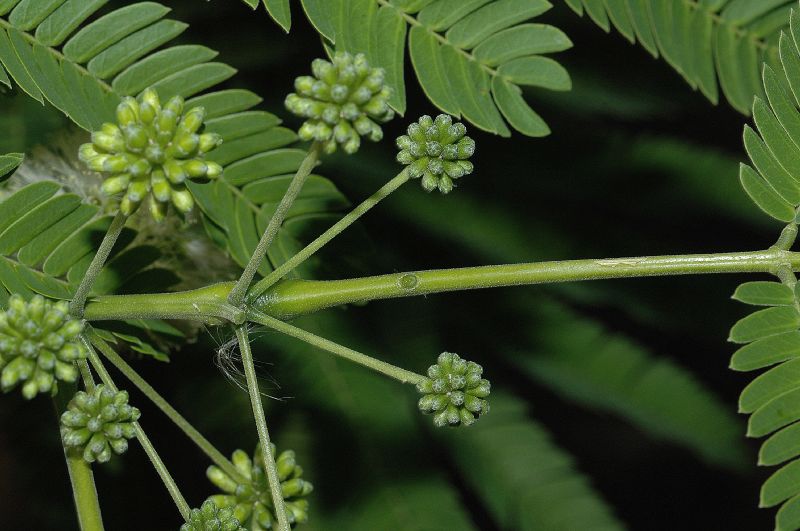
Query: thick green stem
x=309, y=250
x=261, y=426
x=208, y=305
x=204, y=444
x=239, y=291
x=84, y=492
x=79, y=299
x=369, y=362
x=297, y=297
x=141, y=436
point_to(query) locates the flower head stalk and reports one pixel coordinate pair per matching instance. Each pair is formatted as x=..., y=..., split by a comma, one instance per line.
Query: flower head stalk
x=39, y=345
x=343, y=101
x=153, y=150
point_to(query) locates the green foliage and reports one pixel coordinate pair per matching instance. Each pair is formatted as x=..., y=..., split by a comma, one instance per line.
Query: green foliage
x=470, y=57
x=9, y=163
x=548, y=492
x=711, y=43
x=771, y=339
x=209, y=516
x=773, y=185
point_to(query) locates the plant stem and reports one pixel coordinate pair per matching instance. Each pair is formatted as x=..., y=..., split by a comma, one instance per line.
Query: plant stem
x=84, y=492
x=261, y=427
x=297, y=297
x=239, y=291
x=204, y=444
x=305, y=253
x=208, y=305
x=79, y=299
x=144, y=440
x=382, y=367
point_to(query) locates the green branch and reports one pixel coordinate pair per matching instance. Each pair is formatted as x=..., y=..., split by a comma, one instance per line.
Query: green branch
x=291, y=298
x=309, y=250
x=261, y=426
x=79, y=299
x=239, y=291
x=204, y=444
x=349, y=354
x=84, y=492
x=144, y=440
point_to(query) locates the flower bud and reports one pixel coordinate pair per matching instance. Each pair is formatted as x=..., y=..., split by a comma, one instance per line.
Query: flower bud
x=38, y=345
x=454, y=391
x=345, y=100
x=152, y=143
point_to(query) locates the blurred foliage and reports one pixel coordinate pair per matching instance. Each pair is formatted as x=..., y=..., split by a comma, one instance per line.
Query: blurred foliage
x=637, y=164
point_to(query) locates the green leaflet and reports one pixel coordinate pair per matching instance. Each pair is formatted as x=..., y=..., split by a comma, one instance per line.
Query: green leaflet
x=772, y=338
x=469, y=56
x=9, y=163
x=713, y=45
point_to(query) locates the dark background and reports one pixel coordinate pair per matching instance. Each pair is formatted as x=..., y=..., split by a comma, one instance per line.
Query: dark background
x=638, y=163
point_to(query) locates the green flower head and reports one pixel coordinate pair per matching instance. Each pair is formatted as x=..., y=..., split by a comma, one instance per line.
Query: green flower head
x=38, y=345
x=436, y=150
x=153, y=150
x=209, y=517
x=454, y=391
x=251, y=500
x=342, y=102
x=98, y=422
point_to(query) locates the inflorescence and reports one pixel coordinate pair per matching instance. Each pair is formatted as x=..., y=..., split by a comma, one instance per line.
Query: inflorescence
x=98, y=423
x=436, y=150
x=343, y=101
x=454, y=391
x=209, y=517
x=252, y=501
x=39, y=345
x=153, y=150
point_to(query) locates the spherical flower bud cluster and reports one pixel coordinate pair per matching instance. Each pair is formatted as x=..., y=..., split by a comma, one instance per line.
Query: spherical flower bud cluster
x=251, y=500
x=38, y=345
x=153, y=150
x=209, y=517
x=98, y=422
x=454, y=391
x=436, y=150
x=343, y=101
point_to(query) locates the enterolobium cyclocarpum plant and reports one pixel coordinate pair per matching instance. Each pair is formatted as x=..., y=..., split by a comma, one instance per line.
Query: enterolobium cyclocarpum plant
x=157, y=153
